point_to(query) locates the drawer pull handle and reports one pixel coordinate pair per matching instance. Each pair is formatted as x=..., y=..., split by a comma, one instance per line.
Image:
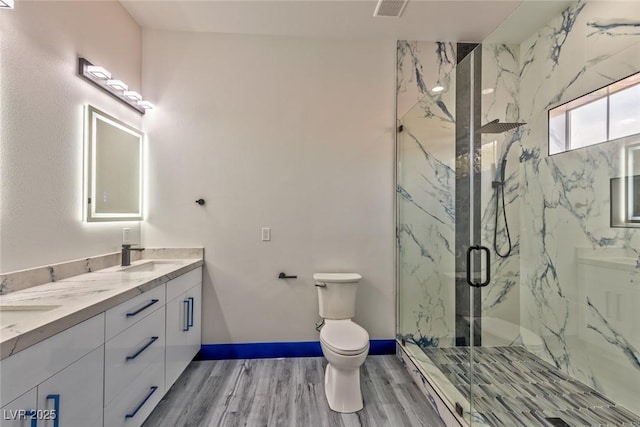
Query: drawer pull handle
x=32, y=414
x=151, y=341
x=185, y=328
x=190, y=324
x=56, y=408
x=135, y=411
x=133, y=313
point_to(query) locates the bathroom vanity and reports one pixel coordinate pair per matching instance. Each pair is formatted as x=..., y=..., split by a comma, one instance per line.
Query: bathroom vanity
x=100, y=348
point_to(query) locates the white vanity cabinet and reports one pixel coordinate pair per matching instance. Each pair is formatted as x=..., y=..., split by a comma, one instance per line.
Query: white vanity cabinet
x=110, y=370
x=75, y=393
x=20, y=412
x=64, y=372
x=183, y=326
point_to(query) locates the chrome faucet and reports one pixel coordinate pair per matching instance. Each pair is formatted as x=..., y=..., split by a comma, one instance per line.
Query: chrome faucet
x=126, y=254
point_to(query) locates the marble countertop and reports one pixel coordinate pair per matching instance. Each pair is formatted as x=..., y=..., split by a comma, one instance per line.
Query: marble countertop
x=620, y=263
x=617, y=258
x=56, y=306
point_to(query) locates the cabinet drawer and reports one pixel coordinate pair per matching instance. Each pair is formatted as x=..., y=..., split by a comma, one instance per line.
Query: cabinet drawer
x=181, y=284
x=128, y=354
x=130, y=312
x=19, y=412
x=25, y=370
x=131, y=407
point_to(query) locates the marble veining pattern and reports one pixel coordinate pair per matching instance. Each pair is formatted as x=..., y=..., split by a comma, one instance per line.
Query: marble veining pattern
x=500, y=100
x=565, y=200
x=420, y=66
x=78, y=298
x=554, y=203
x=426, y=191
x=18, y=280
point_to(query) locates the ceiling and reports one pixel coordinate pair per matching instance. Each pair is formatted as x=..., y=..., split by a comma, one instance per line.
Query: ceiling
x=428, y=20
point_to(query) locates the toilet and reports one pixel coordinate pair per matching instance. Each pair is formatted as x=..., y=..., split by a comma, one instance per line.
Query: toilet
x=345, y=344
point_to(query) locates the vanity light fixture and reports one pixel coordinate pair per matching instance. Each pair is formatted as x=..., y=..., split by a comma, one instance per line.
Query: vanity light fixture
x=100, y=77
x=133, y=95
x=117, y=84
x=6, y=4
x=99, y=72
x=145, y=104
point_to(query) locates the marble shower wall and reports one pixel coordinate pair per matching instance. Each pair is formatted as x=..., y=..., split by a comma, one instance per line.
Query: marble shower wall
x=578, y=316
x=425, y=192
x=564, y=204
x=500, y=89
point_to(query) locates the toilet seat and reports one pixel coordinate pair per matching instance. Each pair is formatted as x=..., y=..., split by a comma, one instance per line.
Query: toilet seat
x=344, y=337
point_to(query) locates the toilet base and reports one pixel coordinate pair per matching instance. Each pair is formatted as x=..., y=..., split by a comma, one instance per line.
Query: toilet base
x=342, y=389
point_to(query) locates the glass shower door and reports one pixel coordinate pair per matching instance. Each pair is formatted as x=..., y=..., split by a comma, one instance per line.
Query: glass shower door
x=429, y=273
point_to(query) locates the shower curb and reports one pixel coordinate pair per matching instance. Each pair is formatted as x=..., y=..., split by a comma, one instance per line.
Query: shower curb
x=447, y=414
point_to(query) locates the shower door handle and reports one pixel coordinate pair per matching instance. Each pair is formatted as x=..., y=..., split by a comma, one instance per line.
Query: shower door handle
x=488, y=266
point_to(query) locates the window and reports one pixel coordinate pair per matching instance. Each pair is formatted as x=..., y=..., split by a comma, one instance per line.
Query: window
x=605, y=114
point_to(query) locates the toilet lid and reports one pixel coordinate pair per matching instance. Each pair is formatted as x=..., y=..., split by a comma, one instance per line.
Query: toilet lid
x=337, y=277
x=344, y=337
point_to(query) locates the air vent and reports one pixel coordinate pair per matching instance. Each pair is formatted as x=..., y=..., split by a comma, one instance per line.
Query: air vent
x=390, y=8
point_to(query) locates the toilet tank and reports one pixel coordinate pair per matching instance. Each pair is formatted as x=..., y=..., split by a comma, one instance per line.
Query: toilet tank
x=337, y=294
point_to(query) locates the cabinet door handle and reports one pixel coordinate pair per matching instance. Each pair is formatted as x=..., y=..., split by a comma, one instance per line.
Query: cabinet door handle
x=190, y=324
x=56, y=408
x=185, y=318
x=33, y=414
x=133, y=313
x=146, y=346
x=135, y=411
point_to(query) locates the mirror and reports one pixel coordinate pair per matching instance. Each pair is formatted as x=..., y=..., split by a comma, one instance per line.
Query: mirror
x=113, y=168
x=625, y=191
x=633, y=189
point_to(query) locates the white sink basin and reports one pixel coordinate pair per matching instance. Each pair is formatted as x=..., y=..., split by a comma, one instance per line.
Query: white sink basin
x=10, y=314
x=151, y=265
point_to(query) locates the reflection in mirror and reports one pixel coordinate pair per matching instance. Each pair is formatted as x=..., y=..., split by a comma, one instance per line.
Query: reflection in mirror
x=625, y=191
x=633, y=198
x=113, y=168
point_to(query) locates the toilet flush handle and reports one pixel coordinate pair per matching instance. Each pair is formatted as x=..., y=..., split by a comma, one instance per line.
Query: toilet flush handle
x=321, y=284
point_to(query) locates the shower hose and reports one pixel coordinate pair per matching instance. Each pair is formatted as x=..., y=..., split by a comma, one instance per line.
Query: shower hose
x=499, y=186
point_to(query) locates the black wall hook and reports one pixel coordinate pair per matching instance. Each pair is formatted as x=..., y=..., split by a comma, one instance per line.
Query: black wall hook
x=200, y=202
x=284, y=276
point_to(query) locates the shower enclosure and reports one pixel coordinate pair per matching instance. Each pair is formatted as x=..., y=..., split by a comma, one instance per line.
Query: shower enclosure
x=517, y=299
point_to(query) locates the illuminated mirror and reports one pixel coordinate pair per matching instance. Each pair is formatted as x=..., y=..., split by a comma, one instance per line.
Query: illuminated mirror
x=633, y=187
x=113, y=168
x=625, y=192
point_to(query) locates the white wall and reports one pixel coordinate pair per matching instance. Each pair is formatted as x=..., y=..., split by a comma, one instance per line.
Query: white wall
x=41, y=125
x=292, y=134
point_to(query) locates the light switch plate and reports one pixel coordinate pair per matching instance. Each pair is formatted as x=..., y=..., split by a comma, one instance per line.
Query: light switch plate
x=126, y=236
x=266, y=234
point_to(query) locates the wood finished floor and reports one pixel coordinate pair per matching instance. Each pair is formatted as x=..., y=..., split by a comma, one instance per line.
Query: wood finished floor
x=289, y=392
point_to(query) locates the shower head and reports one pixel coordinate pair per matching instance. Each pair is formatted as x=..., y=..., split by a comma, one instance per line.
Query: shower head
x=495, y=126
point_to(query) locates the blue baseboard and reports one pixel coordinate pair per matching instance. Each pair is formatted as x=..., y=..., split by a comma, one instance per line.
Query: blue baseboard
x=266, y=350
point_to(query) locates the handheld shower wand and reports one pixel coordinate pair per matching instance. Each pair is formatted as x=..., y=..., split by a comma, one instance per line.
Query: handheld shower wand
x=495, y=126
x=499, y=186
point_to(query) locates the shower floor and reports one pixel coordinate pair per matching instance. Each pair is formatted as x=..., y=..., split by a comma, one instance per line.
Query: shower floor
x=513, y=387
